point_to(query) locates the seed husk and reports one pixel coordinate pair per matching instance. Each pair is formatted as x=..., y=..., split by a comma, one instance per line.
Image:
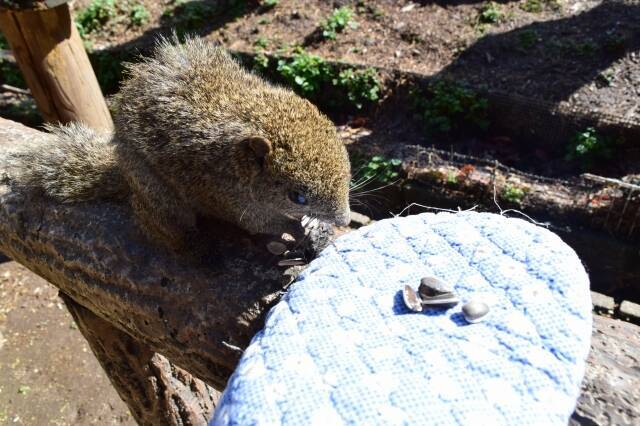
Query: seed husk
x=432, y=286
x=292, y=262
x=411, y=299
x=435, y=292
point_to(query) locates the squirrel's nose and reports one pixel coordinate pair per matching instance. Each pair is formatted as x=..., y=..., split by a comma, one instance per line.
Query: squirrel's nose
x=344, y=218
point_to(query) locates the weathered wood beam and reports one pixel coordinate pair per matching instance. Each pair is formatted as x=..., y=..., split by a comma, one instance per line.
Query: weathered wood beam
x=55, y=65
x=199, y=317
x=155, y=391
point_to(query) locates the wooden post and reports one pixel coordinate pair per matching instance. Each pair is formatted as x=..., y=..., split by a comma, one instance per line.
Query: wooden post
x=55, y=65
x=155, y=390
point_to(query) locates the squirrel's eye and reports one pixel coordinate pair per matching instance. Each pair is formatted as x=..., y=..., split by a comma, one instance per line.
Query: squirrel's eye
x=298, y=198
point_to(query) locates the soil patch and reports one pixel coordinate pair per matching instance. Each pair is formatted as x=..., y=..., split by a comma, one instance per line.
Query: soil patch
x=585, y=54
x=49, y=374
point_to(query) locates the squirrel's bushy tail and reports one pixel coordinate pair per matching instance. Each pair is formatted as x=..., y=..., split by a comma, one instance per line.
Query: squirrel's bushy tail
x=76, y=164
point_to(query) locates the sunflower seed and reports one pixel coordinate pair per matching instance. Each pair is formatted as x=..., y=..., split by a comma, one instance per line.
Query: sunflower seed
x=475, y=311
x=450, y=299
x=292, y=262
x=276, y=247
x=432, y=286
x=434, y=292
x=411, y=299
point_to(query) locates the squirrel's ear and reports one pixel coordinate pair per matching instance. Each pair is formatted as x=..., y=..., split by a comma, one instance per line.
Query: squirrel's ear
x=260, y=146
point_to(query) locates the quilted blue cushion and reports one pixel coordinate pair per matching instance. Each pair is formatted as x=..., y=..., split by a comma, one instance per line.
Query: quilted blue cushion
x=341, y=347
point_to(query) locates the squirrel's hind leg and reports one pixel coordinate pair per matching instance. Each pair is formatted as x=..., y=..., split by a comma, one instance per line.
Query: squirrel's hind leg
x=164, y=216
x=165, y=222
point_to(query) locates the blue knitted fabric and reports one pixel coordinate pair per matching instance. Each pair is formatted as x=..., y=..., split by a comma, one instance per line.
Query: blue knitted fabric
x=341, y=348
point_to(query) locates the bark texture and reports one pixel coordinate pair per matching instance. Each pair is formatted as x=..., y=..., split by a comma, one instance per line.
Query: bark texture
x=156, y=391
x=198, y=316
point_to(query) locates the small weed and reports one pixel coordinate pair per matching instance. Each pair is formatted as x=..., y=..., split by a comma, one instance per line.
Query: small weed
x=260, y=62
x=380, y=169
x=584, y=49
x=532, y=6
x=337, y=22
x=189, y=16
x=448, y=106
x=24, y=389
x=513, y=194
x=95, y=15
x=308, y=74
x=304, y=71
x=363, y=7
x=588, y=147
x=4, y=44
x=615, y=42
x=605, y=78
x=139, y=15
x=24, y=110
x=490, y=13
x=10, y=74
x=361, y=86
x=108, y=69
x=537, y=6
x=261, y=43
x=452, y=178
x=263, y=21
x=527, y=39
x=268, y=4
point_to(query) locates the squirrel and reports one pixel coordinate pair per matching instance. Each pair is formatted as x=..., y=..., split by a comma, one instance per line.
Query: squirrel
x=196, y=135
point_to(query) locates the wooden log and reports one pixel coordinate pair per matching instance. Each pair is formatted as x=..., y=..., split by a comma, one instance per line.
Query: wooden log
x=199, y=317
x=51, y=56
x=30, y=4
x=155, y=391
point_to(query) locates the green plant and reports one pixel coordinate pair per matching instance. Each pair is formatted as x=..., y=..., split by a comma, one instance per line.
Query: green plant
x=139, y=15
x=189, y=16
x=606, y=78
x=527, y=39
x=337, y=22
x=537, y=6
x=585, y=48
x=588, y=146
x=379, y=169
x=269, y=3
x=24, y=389
x=447, y=106
x=10, y=74
x=95, y=15
x=108, y=69
x=615, y=42
x=532, y=6
x=361, y=85
x=304, y=71
x=490, y=13
x=513, y=194
x=260, y=62
x=261, y=43
x=4, y=44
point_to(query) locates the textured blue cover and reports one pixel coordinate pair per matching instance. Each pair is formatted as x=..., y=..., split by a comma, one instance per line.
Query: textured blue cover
x=341, y=348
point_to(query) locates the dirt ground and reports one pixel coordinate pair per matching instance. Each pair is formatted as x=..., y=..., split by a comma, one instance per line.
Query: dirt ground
x=48, y=374
x=585, y=53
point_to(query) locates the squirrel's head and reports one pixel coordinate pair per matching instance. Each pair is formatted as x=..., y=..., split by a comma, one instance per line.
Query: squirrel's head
x=300, y=169
x=251, y=152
